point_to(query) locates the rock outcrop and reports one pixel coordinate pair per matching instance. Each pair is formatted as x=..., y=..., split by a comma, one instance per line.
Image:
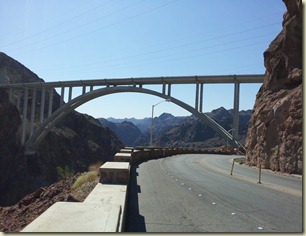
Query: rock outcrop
x=274, y=137
x=70, y=147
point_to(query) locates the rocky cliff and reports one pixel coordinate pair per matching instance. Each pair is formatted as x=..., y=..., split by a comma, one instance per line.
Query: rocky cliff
x=275, y=132
x=78, y=141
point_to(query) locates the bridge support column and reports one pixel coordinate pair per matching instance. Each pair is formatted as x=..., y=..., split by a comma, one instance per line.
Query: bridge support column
x=33, y=111
x=201, y=98
x=70, y=94
x=84, y=89
x=18, y=99
x=50, y=102
x=164, y=88
x=24, y=115
x=11, y=95
x=236, y=111
x=197, y=97
x=169, y=89
x=62, y=95
x=42, y=106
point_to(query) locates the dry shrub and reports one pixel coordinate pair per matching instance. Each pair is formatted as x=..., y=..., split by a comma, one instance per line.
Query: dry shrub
x=91, y=176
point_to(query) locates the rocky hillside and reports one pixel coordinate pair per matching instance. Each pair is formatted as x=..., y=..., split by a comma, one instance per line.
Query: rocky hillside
x=275, y=133
x=70, y=147
x=14, y=218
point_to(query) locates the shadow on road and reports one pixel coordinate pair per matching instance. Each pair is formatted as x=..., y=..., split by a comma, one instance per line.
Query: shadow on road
x=134, y=221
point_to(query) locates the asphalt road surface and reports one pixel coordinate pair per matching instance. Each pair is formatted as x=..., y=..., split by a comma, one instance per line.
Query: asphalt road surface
x=196, y=193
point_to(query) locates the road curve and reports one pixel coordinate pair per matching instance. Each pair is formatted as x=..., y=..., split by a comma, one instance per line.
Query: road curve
x=196, y=193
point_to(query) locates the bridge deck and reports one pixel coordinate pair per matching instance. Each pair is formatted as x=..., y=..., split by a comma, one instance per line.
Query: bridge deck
x=209, y=79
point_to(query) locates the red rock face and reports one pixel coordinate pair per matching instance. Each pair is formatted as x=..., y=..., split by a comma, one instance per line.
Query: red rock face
x=274, y=136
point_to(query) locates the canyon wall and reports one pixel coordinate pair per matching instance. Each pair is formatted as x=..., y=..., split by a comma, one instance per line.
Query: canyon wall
x=274, y=137
x=75, y=143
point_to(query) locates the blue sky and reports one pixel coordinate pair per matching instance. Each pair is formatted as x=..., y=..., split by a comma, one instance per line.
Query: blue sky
x=96, y=39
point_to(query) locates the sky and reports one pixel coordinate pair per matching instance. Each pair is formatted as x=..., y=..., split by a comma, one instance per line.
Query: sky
x=96, y=39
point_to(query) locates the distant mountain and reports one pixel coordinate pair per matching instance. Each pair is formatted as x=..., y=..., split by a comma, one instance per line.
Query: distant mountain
x=165, y=120
x=194, y=133
x=126, y=131
x=144, y=125
x=172, y=131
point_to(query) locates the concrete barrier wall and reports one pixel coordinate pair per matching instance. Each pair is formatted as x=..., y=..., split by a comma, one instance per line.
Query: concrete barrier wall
x=104, y=209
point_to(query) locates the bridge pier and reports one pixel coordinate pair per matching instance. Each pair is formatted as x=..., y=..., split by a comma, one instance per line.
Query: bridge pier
x=50, y=102
x=62, y=95
x=33, y=111
x=24, y=115
x=169, y=89
x=199, y=97
x=70, y=94
x=42, y=105
x=236, y=110
x=18, y=99
x=11, y=95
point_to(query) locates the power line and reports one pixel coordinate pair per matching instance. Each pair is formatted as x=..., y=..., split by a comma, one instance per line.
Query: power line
x=73, y=29
x=166, y=58
x=181, y=46
x=57, y=25
x=96, y=30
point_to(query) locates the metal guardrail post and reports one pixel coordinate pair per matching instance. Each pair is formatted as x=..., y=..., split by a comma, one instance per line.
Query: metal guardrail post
x=259, y=174
x=232, y=166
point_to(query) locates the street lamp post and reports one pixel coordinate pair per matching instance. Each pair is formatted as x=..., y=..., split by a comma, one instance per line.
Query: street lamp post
x=151, y=133
x=227, y=137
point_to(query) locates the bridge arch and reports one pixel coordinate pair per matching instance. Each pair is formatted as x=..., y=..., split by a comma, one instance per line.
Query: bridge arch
x=65, y=109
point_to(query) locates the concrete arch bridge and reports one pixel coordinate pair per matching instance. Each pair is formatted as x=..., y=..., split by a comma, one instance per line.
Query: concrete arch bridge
x=27, y=93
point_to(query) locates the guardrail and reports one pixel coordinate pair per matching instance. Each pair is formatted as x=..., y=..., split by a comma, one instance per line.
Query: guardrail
x=104, y=209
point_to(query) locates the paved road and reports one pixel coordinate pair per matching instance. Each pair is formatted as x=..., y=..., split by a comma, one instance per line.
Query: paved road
x=196, y=193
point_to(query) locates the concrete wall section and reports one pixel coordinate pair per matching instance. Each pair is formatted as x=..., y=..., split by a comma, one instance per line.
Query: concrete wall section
x=77, y=217
x=104, y=209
